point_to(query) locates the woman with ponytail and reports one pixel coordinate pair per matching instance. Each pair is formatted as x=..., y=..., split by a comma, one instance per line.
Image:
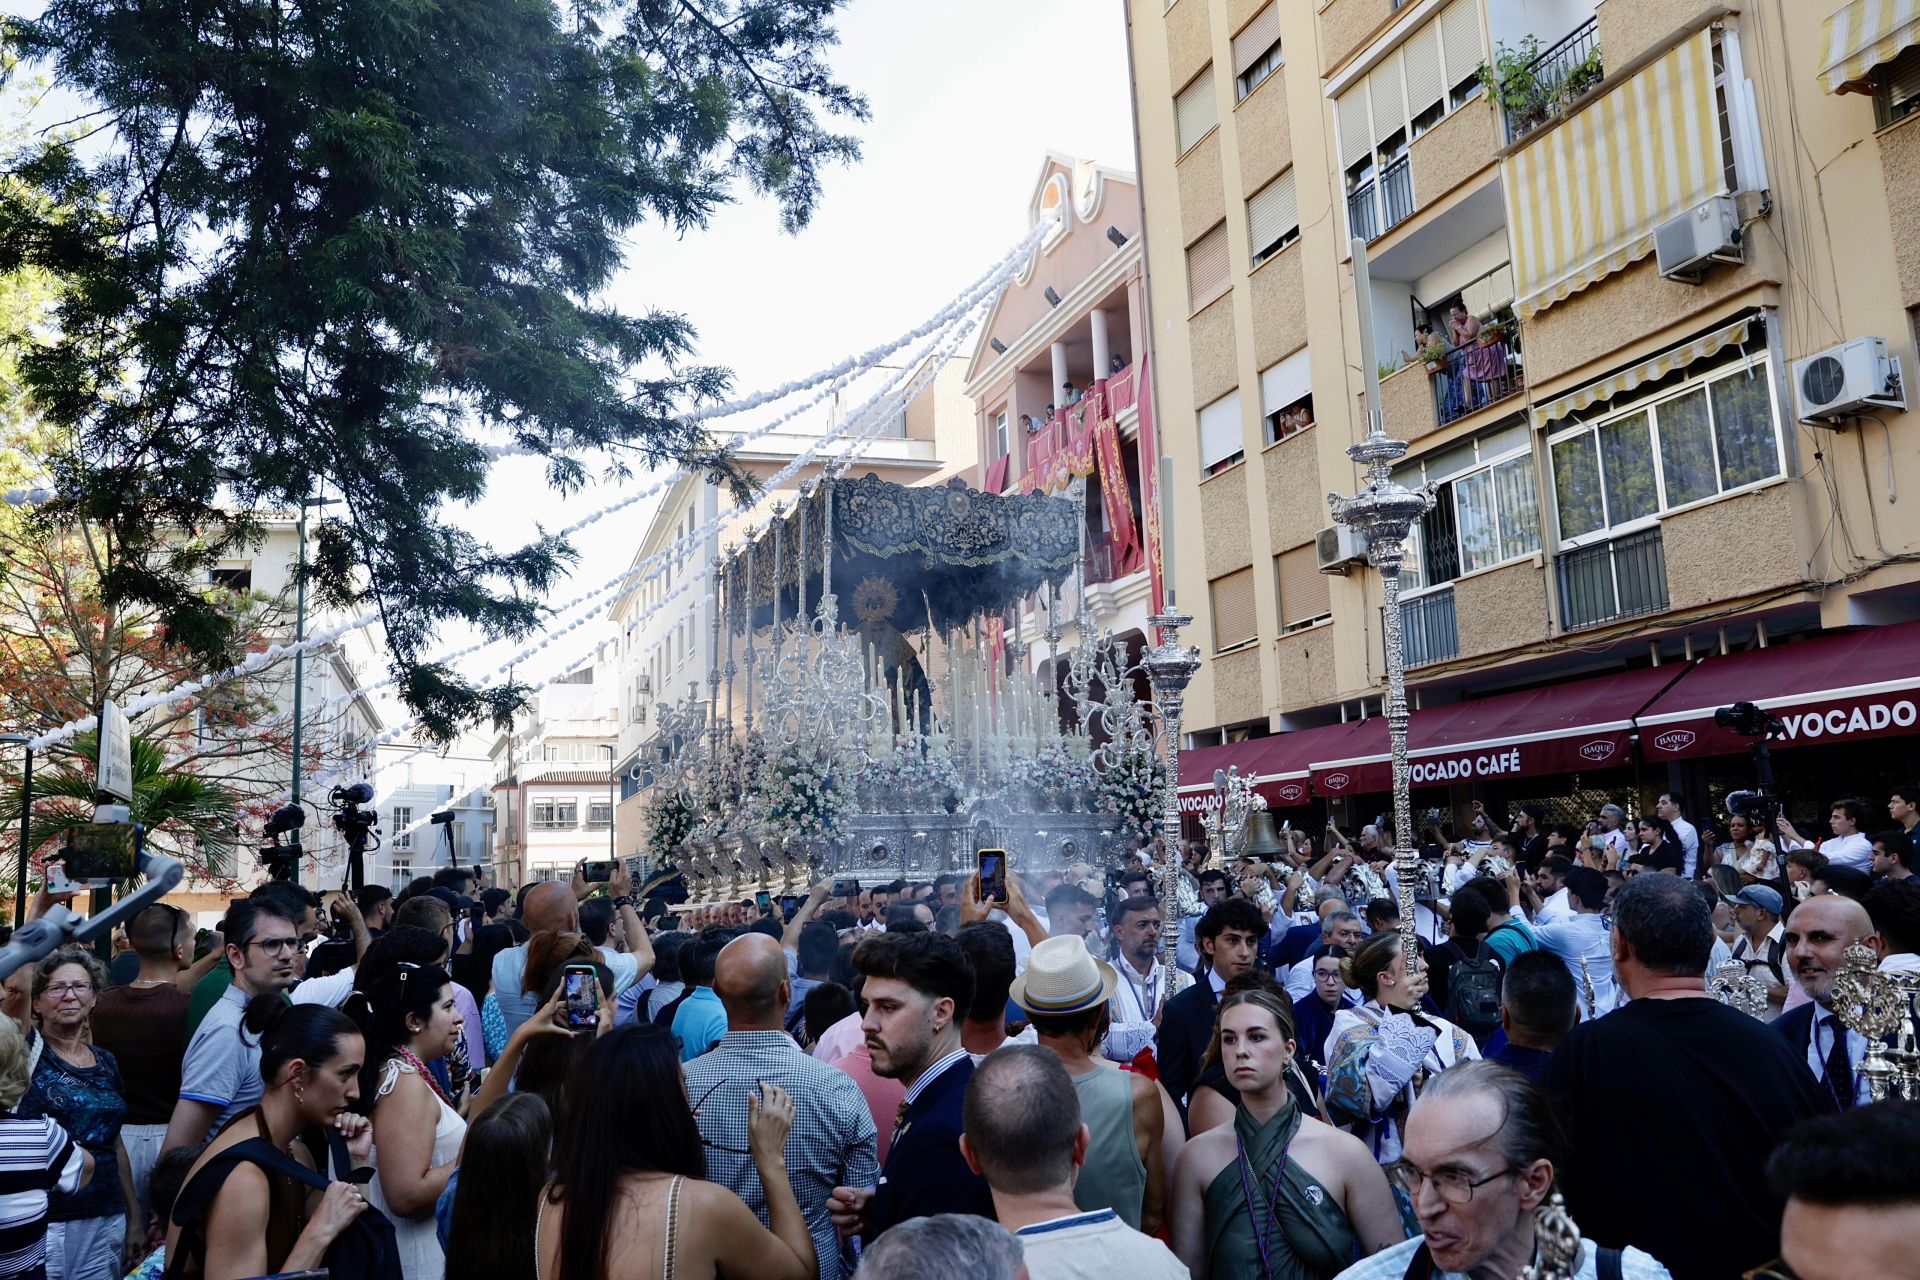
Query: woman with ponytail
x=409, y=1017
x=1381, y=1053
x=245, y=1209
x=1277, y=1194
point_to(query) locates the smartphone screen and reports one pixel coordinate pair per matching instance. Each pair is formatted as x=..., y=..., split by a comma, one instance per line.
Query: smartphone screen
x=846, y=888
x=993, y=874
x=583, y=997
x=763, y=899
x=598, y=872
x=100, y=852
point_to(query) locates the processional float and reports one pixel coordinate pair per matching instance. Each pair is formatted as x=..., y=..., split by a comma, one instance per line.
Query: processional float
x=893, y=735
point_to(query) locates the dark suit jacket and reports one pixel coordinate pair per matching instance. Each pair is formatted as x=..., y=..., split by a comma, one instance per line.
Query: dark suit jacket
x=1186, y=1027
x=925, y=1173
x=1292, y=946
x=1797, y=1026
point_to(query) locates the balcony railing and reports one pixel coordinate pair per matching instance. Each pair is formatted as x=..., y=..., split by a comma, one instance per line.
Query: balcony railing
x=1428, y=630
x=1378, y=206
x=1533, y=92
x=1623, y=578
x=1472, y=377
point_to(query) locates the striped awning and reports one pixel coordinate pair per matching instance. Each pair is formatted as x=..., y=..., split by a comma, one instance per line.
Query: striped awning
x=1863, y=35
x=1583, y=198
x=1650, y=370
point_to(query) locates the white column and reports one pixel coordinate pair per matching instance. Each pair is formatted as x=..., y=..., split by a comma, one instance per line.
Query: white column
x=1059, y=372
x=1100, y=356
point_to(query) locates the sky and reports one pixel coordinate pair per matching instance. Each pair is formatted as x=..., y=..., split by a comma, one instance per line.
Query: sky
x=967, y=99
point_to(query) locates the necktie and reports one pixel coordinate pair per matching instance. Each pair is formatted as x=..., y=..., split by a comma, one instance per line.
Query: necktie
x=899, y=1122
x=1839, y=1066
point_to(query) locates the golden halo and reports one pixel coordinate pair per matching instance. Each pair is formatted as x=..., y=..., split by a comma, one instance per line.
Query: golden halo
x=874, y=600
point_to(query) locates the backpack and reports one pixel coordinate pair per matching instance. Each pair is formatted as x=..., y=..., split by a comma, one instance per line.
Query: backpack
x=1473, y=990
x=366, y=1250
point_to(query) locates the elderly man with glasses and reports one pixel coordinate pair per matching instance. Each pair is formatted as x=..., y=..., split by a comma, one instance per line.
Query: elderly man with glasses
x=221, y=1075
x=1481, y=1148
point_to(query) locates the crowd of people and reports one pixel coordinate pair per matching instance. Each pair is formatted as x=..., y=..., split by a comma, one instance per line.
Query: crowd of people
x=565, y=1081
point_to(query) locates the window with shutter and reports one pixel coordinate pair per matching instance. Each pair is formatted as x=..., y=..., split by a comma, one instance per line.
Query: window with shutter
x=1209, y=274
x=1304, y=596
x=1897, y=87
x=1273, y=218
x=1356, y=129
x=1221, y=442
x=1389, y=101
x=1462, y=51
x=1426, y=80
x=1195, y=111
x=1286, y=397
x=1234, y=622
x=1256, y=51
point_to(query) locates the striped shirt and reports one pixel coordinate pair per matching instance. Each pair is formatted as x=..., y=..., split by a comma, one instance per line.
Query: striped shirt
x=36, y=1157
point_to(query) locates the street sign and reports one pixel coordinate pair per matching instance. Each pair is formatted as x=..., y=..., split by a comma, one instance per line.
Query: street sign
x=115, y=777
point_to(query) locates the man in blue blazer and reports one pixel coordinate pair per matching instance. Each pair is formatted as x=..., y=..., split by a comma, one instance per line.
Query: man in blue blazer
x=1229, y=935
x=918, y=986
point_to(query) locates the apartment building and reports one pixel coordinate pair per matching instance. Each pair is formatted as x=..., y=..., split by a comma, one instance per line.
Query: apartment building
x=1666, y=253
x=664, y=626
x=553, y=792
x=1067, y=327
x=436, y=808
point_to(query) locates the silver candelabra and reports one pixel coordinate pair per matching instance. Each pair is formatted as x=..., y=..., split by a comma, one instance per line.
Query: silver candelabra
x=1384, y=511
x=1169, y=668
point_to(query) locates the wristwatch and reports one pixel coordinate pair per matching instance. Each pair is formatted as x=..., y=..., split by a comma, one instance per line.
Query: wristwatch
x=624, y=900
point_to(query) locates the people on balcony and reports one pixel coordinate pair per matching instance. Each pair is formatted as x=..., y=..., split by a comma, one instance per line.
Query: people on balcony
x=1486, y=362
x=1069, y=395
x=1116, y=365
x=1031, y=425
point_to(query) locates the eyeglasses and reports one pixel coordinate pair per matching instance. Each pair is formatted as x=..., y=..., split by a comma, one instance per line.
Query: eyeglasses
x=1454, y=1185
x=1775, y=1270
x=276, y=946
x=68, y=989
x=714, y=1146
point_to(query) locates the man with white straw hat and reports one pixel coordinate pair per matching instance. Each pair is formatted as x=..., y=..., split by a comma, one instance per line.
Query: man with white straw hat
x=1065, y=993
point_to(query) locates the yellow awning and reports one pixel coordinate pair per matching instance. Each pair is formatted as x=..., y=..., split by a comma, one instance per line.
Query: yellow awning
x=1584, y=197
x=1864, y=35
x=1650, y=370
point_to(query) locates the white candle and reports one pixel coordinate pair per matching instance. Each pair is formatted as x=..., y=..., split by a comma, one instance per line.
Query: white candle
x=1166, y=528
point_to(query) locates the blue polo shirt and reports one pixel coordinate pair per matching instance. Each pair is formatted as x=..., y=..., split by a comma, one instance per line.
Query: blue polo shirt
x=699, y=1023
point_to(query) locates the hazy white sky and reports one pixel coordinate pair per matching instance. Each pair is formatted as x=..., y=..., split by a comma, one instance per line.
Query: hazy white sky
x=967, y=98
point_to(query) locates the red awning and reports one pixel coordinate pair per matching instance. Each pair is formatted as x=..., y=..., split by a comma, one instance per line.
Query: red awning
x=1560, y=728
x=1841, y=687
x=1277, y=764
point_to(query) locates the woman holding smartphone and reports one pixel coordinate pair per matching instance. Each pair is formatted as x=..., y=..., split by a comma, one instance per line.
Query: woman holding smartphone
x=629, y=1200
x=410, y=1019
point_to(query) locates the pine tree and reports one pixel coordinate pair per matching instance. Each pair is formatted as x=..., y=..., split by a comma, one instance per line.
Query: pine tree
x=330, y=243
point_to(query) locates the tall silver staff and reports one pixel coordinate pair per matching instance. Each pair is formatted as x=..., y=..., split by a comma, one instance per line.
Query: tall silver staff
x=1384, y=511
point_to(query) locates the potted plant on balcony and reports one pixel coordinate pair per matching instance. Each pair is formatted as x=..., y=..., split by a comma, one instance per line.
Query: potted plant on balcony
x=1585, y=74
x=1434, y=356
x=1511, y=80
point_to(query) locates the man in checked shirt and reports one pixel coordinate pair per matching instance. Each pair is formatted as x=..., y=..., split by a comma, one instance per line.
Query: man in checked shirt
x=833, y=1139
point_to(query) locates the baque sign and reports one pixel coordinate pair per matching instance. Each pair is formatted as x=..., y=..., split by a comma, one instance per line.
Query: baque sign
x=1821, y=718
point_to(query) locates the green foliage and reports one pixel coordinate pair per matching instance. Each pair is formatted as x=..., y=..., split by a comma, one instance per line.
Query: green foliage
x=186, y=814
x=314, y=246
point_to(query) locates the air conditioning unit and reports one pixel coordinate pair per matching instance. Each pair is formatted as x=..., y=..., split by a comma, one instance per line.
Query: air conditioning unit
x=1337, y=546
x=1705, y=234
x=1841, y=381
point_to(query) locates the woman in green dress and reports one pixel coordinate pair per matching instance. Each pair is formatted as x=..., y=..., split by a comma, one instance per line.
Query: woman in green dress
x=1276, y=1195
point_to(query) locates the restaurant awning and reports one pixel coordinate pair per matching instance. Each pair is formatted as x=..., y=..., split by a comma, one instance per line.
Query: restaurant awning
x=1584, y=196
x=1841, y=687
x=1863, y=35
x=1561, y=728
x=1277, y=764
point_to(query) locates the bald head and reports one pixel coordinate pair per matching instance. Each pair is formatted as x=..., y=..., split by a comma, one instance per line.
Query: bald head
x=549, y=907
x=750, y=977
x=1817, y=936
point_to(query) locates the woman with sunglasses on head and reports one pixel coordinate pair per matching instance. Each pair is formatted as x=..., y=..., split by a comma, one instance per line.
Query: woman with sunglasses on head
x=629, y=1200
x=409, y=1017
x=240, y=1213
x=90, y=1232
x=1278, y=1194
x=1659, y=844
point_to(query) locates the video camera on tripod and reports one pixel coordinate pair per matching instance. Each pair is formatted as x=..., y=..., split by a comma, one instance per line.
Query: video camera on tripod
x=356, y=824
x=1760, y=806
x=282, y=858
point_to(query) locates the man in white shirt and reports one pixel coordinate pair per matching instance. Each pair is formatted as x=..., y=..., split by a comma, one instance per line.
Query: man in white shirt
x=1612, y=818
x=1848, y=847
x=1583, y=942
x=1761, y=946
x=1550, y=882
x=1669, y=808
x=1022, y=1132
x=1135, y=1008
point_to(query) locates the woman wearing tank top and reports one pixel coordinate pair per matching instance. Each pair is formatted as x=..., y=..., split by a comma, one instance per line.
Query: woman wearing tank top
x=629, y=1200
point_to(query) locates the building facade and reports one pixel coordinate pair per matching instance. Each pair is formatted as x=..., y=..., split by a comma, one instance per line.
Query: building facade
x=413, y=789
x=553, y=793
x=1639, y=287
x=1058, y=397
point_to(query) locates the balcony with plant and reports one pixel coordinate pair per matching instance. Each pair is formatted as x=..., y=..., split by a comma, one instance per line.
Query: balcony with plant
x=1535, y=87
